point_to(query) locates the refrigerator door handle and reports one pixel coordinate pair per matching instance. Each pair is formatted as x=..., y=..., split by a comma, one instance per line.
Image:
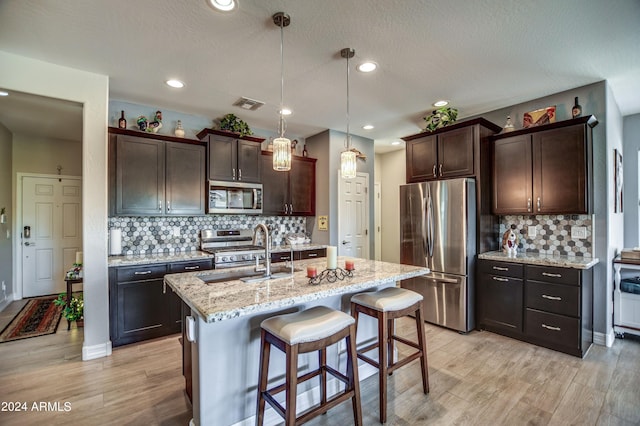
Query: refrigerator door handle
x=441, y=280
x=425, y=229
x=430, y=225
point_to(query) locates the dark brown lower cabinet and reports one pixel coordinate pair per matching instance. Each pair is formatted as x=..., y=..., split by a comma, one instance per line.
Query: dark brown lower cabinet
x=544, y=305
x=187, y=366
x=141, y=306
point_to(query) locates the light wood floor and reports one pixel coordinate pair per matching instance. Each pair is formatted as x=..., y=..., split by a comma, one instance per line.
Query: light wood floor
x=476, y=379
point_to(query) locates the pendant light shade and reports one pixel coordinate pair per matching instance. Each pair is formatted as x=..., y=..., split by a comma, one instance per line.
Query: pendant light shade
x=281, y=145
x=348, y=166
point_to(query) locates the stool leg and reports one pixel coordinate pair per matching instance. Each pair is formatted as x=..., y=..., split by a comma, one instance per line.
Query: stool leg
x=390, y=343
x=323, y=375
x=423, y=347
x=383, y=361
x=352, y=374
x=292, y=384
x=263, y=374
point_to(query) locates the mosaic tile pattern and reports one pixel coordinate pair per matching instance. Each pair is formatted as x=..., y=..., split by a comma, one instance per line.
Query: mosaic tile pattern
x=553, y=234
x=155, y=234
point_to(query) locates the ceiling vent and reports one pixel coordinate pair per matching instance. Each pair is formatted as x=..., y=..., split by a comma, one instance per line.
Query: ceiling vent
x=248, y=104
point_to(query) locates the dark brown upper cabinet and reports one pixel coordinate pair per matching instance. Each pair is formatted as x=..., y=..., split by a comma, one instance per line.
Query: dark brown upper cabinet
x=446, y=153
x=231, y=157
x=544, y=170
x=155, y=175
x=291, y=193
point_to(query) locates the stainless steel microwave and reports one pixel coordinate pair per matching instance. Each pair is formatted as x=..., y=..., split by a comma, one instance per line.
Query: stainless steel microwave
x=234, y=197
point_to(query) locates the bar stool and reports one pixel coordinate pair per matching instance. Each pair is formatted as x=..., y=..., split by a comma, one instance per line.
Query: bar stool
x=310, y=330
x=386, y=305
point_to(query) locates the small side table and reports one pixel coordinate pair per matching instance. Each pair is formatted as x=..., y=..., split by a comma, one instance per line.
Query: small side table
x=70, y=282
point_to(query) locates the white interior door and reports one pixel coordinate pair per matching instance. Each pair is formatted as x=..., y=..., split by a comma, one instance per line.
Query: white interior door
x=52, y=211
x=377, y=220
x=353, y=216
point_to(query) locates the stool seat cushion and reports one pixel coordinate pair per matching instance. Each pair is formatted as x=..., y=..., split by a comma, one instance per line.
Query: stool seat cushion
x=388, y=299
x=309, y=325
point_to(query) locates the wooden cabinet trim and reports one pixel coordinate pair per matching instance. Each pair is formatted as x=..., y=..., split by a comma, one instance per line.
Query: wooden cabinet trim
x=156, y=136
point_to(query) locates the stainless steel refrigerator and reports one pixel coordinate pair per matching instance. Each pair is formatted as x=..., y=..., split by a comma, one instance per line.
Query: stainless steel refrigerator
x=438, y=230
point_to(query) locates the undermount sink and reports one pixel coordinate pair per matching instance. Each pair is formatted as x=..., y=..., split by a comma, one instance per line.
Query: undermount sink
x=248, y=276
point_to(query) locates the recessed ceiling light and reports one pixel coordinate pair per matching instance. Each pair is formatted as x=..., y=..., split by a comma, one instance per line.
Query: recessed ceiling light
x=175, y=83
x=396, y=143
x=367, y=126
x=440, y=103
x=367, y=66
x=3, y=93
x=223, y=5
x=285, y=111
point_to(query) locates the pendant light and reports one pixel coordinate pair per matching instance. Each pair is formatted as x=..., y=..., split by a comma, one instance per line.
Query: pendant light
x=348, y=157
x=281, y=145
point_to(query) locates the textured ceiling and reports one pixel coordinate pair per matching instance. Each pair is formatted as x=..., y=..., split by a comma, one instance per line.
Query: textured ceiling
x=481, y=55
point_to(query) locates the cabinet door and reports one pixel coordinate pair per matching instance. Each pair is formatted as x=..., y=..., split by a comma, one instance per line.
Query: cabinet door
x=223, y=158
x=455, y=153
x=185, y=179
x=275, y=188
x=302, y=182
x=249, y=163
x=560, y=171
x=512, y=180
x=501, y=301
x=422, y=159
x=139, y=182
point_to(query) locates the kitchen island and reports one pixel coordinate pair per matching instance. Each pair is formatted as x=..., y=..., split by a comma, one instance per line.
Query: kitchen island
x=225, y=329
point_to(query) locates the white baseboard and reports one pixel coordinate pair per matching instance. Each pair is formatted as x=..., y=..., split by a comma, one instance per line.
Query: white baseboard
x=604, y=339
x=96, y=351
x=6, y=302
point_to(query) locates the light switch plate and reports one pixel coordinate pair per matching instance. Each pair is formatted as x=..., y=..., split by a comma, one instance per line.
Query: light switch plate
x=531, y=231
x=176, y=231
x=578, y=232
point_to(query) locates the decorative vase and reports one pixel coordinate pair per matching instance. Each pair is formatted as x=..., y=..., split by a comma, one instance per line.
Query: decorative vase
x=179, y=132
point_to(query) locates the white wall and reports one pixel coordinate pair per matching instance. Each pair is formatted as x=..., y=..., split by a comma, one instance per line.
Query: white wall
x=92, y=91
x=631, y=164
x=391, y=173
x=33, y=154
x=6, y=252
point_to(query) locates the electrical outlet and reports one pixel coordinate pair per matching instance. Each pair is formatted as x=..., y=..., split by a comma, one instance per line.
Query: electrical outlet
x=282, y=229
x=531, y=231
x=578, y=232
x=176, y=231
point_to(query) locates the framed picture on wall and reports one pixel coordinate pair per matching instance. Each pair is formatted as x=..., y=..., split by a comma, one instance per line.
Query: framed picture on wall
x=617, y=167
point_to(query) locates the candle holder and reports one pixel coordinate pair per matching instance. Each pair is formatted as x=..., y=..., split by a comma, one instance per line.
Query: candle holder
x=331, y=275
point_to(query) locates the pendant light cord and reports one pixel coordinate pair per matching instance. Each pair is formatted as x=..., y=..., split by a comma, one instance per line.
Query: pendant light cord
x=282, y=124
x=348, y=118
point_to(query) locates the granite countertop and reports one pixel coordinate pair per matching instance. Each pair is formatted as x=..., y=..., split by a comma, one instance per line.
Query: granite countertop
x=149, y=258
x=576, y=262
x=230, y=299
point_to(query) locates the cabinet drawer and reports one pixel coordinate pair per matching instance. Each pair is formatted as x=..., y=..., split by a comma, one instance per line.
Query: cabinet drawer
x=552, y=328
x=281, y=257
x=556, y=298
x=553, y=274
x=492, y=267
x=311, y=254
x=193, y=266
x=138, y=273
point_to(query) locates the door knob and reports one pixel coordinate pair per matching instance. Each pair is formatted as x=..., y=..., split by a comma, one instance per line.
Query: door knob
x=27, y=243
x=345, y=242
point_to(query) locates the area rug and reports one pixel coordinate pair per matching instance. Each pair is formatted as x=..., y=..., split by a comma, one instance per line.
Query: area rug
x=38, y=317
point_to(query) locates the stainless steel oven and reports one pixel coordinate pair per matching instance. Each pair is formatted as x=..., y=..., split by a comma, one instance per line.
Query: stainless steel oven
x=234, y=197
x=231, y=247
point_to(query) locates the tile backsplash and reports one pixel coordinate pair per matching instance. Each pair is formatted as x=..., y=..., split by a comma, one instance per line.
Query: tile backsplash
x=553, y=234
x=155, y=234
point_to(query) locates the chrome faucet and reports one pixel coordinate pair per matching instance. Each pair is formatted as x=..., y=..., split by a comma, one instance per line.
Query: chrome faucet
x=267, y=247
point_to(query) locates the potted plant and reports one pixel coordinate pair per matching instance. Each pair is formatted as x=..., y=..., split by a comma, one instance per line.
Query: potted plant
x=75, y=310
x=231, y=123
x=440, y=118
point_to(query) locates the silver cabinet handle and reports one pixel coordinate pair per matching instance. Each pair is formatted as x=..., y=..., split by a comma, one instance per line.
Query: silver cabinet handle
x=528, y=204
x=498, y=268
x=164, y=287
x=239, y=174
x=159, y=205
x=168, y=206
x=290, y=208
x=142, y=273
x=548, y=274
x=550, y=327
x=191, y=268
x=546, y=296
x=286, y=208
x=233, y=174
x=538, y=203
x=313, y=254
x=440, y=171
x=434, y=170
x=500, y=279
